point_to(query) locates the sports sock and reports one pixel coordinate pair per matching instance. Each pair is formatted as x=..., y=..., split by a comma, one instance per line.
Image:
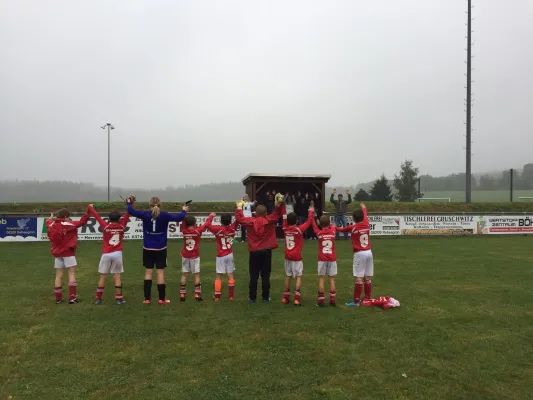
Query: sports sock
x=368, y=289
x=147, y=289
x=161, y=288
x=332, y=296
x=99, y=293
x=320, y=298
x=59, y=293
x=357, y=290
x=231, y=289
x=287, y=295
x=297, y=295
x=218, y=288
x=71, y=290
x=118, y=293
x=183, y=290
x=198, y=290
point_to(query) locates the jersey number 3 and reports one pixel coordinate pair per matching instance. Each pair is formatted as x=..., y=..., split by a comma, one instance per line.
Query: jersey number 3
x=189, y=244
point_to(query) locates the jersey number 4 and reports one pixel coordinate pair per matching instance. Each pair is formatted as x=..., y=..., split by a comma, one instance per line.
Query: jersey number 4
x=115, y=240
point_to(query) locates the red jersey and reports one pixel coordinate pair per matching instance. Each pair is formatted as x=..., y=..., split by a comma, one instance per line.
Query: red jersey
x=261, y=230
x=63, y=235
x=326, y=242
x=224, y=237
x=191, y=238
x=113, y=232
x=294, y=238
x=360, y=232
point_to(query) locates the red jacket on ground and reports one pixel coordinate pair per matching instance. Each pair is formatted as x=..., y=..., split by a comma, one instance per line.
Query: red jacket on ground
x=261, y=230
x=63, y=235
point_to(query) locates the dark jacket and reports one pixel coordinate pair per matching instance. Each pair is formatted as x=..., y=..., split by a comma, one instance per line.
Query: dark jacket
x=341, y=207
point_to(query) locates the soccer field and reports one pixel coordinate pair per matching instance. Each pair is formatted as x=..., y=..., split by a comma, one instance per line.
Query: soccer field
x=464, y=329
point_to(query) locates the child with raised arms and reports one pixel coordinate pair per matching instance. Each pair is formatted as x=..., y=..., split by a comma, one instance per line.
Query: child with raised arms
x=294, y=238
x=363, y=260
x=190, y=261
x=225, y=264
x=63, y=235
x=111, y=261
x=327, y=259
x=155, y=230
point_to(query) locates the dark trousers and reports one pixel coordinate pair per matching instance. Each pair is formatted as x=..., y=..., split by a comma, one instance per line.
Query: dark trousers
x=260, y=266
x=243, y=233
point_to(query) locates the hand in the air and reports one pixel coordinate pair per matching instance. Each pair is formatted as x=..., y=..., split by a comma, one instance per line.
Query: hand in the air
x=185, y=208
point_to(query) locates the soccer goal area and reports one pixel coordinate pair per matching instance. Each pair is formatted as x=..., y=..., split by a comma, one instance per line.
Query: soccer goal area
x=434, y=199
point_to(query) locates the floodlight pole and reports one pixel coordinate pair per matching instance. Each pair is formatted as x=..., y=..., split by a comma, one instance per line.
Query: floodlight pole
x=109, y=128
x=468, y=194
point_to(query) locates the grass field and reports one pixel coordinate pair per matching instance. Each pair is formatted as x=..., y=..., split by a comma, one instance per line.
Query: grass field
x=464, y=329
x=482, y=195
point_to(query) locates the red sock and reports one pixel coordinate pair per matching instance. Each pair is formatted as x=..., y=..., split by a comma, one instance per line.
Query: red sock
x=231, y=289
x=320, y=298
x=118, y=296
x=357, y=290
x=59, y=293
x=99, y=293
x=198, y=291
x=332, y=296
x=287, y=295
x=368, y=289
x=297, y=295
x=71, y=290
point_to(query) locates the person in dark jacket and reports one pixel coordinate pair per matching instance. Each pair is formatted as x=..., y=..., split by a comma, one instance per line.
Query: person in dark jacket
x=261, y=241
x=341, y=208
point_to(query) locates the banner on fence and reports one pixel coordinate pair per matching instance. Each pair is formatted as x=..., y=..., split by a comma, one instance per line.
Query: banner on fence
x=34, y=229
x=18, y=229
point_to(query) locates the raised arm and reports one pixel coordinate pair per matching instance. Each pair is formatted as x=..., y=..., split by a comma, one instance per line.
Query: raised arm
x=206, y=224
x=315, y=227
x=241, y=219
x=82, y=221
x=332, y=199
x=124, y=220
x=310, y=219
x=349, y=197
x=134, y=212
x=276, y=215
x=100, y=220
x=284, y=214
x=365, y=213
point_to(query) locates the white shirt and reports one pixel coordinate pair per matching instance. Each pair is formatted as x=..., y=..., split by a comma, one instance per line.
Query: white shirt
x=247, y=209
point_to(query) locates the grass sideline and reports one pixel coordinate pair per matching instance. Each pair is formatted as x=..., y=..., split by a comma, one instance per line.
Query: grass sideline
x=374, y=207
x=463, y=330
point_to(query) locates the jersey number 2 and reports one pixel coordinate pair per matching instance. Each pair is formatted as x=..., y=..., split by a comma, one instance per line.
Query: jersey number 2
x=327, y=247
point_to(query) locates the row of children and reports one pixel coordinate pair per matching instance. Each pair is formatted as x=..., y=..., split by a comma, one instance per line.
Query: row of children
x=62, y=232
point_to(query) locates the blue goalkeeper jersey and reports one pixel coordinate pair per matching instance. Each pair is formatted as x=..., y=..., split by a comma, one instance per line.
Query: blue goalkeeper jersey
x=155, y=230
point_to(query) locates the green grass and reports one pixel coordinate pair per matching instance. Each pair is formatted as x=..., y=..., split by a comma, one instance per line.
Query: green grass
x=463, y=331
x=481, y=196
x=374, y=207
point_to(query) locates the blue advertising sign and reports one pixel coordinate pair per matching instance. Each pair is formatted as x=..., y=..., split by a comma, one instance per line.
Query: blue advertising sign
x=22, y=227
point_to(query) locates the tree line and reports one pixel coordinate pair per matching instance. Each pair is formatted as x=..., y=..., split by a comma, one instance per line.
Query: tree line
x=403, y=187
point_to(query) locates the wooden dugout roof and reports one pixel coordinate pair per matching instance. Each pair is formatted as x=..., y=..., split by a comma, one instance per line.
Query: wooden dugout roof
x=255, y=182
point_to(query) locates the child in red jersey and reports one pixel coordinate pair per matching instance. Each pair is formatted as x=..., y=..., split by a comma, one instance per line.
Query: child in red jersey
x=225, y=264
x=363, y=260
x=63, y=235
x=294, y=238
x=190, y=262
x=327, y=258
x=111, y=261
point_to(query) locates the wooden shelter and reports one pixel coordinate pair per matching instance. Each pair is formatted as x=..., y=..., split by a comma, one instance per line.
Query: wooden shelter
x=257, y=185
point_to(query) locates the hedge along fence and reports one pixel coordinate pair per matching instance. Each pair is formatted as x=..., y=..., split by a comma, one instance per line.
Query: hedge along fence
x=218, y=207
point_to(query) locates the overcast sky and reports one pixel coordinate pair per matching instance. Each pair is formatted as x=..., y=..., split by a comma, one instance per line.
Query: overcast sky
x=205, y=91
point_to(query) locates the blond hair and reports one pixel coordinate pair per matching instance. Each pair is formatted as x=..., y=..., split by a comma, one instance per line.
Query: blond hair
x=155, y=206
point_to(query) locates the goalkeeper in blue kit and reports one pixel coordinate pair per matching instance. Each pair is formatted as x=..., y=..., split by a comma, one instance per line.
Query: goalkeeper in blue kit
x=155, y=229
